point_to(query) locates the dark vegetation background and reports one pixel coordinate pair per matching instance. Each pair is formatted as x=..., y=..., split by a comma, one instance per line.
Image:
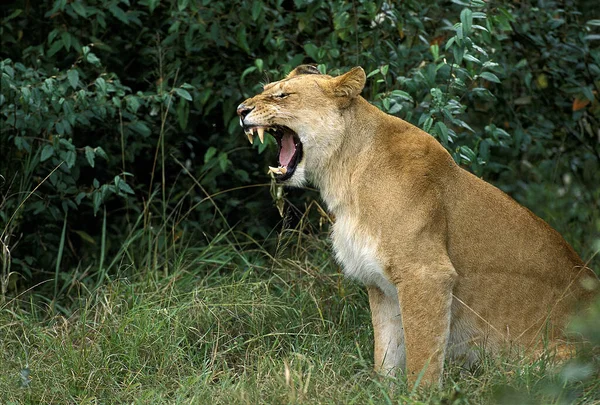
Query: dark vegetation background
x=135, y=216
x=122, y=113
x=118, y=110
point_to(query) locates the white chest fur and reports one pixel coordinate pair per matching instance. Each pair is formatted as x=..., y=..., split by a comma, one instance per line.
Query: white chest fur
x=356, y=250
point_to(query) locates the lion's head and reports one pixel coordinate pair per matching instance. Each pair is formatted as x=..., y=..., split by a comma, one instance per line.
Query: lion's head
x=304, y=114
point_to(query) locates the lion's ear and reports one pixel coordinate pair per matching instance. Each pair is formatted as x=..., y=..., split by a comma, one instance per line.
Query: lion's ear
x=350, y=84
x=304, y=70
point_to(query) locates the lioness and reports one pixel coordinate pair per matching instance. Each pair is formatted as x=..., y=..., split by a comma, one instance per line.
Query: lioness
x=449, y=261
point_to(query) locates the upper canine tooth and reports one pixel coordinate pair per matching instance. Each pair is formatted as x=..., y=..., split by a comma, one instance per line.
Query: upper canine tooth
x=250, y=137
x=261, y=134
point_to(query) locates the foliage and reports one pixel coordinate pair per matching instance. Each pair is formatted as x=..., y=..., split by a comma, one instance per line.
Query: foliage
x=116, y=113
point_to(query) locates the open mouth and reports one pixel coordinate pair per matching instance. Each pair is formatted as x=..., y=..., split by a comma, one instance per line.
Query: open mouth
x=290, y=148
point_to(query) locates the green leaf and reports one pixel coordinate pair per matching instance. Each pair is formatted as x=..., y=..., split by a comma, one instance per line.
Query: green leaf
x=467, y=154
x=22, y=144
x=373, y=73
x=458, y=52
x=241, y=38
x=402, y=94
x=116, y=101
x=223, y=161
x=182, y=4
x=60, y=129
x=92, y=58
x=12, y=15
x=183, y=111
x=183, y=93
x=471, y=58
x=396, y=107
x=210, y=153
x=386, y=104
x=70, y=158
x=427, y=125
x=443, y=132
x=152, y=4
x=490, y=77
x=459, y=33
x=79, y=8
x=259, y=64
x=90, y=155
x=101, y=84
x=67, y=144
x=246, y=72
x=47, y=152
x=311, y=50
x=263, y=146
x=256, y=9
x=141, y=128
x=124, y=187
x=56, y=46
x=466, y=18
x=594, y=22
x=100, y=152
x=132, y=104
x=587, y=92
x=73, y=76
x=96, y=201
x=66, y=39
x=85, y=236
x=118, y=13
x=384, y=69
x=9, y=71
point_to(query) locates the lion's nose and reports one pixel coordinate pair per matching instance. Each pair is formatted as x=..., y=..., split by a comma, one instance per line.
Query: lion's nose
x=243, y=110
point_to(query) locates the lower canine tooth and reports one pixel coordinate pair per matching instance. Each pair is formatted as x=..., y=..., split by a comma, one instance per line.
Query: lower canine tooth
x=261, y=134
x=278, y=170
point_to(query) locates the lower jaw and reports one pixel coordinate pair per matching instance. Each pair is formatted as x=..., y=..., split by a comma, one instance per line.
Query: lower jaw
x=297, y=179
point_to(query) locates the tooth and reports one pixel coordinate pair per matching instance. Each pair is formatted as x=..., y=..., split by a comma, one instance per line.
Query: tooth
x=261, y=134
x=276, y=170
x=250, y=137
x=283, y=169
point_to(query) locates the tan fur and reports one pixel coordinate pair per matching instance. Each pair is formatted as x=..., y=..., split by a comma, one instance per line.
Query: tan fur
x=450, y=261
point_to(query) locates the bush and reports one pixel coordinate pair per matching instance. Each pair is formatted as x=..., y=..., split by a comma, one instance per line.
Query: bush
x=119, y=113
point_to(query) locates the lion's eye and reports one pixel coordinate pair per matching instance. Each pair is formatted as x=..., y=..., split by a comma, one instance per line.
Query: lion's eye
x=280, y=95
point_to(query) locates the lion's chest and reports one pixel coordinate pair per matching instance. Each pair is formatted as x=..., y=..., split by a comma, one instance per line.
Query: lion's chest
x=356, y=250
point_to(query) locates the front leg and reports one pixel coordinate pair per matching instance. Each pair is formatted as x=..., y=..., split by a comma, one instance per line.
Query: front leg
x=425, y=295
x=387, y=330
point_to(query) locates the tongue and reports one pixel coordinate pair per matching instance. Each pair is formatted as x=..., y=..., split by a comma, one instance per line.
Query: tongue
x=288, y=148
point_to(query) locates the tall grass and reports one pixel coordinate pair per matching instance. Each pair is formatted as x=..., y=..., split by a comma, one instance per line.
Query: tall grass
x=228, y=325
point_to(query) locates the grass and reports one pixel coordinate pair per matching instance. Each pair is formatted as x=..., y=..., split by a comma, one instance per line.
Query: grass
x=224, y=325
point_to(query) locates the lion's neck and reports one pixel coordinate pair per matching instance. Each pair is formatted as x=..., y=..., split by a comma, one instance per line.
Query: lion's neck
x=333, y=177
